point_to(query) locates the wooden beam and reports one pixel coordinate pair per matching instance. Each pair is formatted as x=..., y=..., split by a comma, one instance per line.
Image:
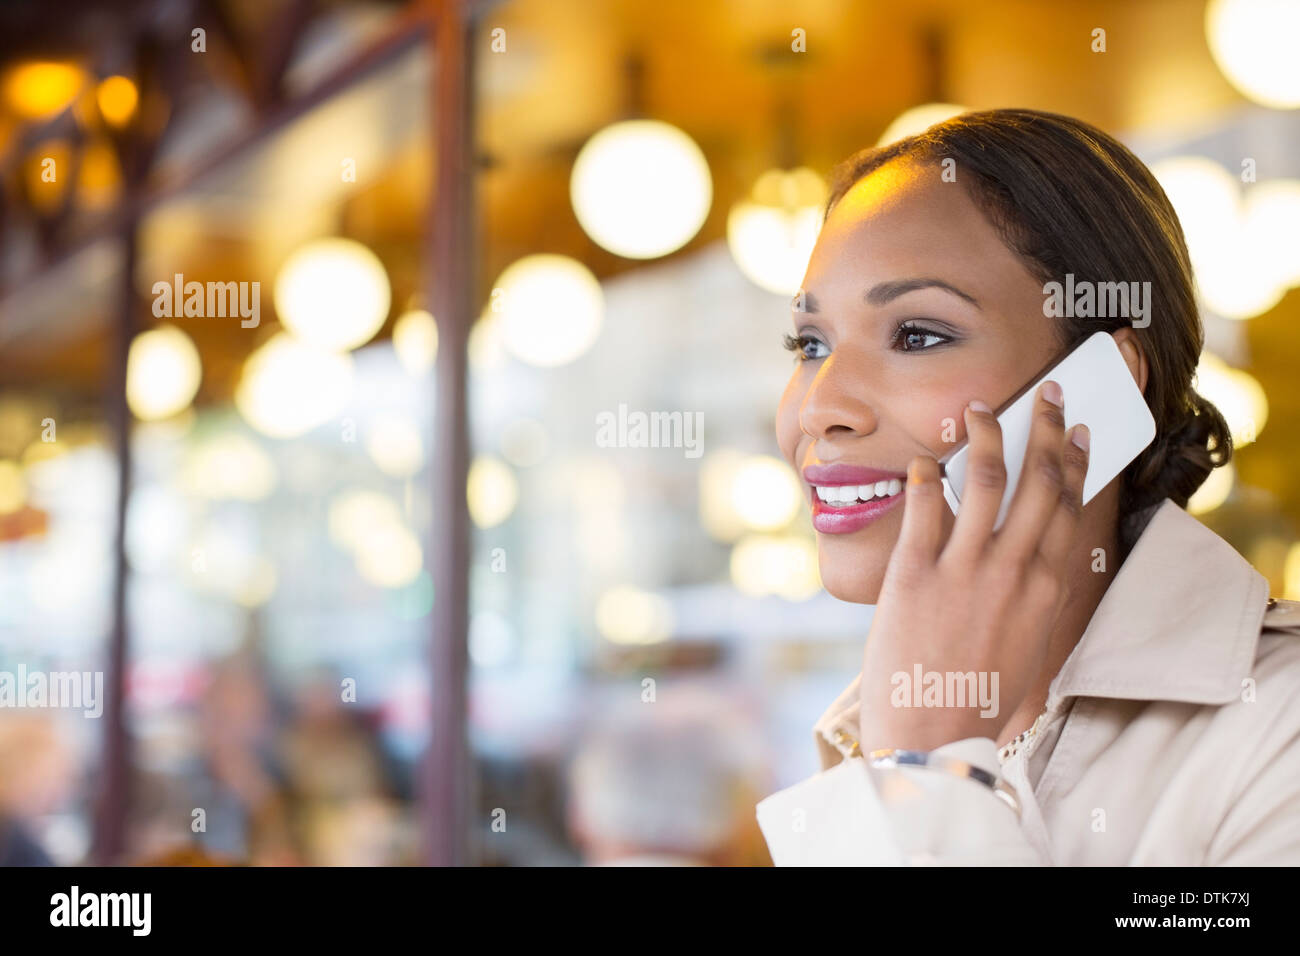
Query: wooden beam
x=278, y=50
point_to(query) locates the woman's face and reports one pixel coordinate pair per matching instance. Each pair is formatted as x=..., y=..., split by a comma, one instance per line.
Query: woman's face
x=912, y=307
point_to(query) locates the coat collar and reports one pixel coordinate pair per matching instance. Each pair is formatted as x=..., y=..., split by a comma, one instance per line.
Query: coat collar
x=1180, y=622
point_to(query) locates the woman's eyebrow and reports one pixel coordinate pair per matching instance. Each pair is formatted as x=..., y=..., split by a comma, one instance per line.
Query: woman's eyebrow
x=885, y=292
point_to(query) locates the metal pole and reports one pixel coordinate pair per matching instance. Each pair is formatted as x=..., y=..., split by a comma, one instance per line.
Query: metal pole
x=112, y=800
x=444, y=801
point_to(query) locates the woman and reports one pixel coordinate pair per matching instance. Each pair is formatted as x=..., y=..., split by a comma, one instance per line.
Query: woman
x=1145, y=682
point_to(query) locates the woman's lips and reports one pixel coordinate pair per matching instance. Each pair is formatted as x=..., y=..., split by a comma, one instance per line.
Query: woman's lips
x=843, y=485
x=833, y=519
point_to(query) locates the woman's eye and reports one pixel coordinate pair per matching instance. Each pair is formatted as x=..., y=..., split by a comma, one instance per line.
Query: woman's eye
x=806, y=347
x=914, y=338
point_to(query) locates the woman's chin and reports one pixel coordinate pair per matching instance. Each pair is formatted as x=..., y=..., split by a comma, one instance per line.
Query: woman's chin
x=851, y=574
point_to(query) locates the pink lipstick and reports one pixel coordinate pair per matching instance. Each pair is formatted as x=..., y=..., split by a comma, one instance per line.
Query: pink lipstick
x=847, y=498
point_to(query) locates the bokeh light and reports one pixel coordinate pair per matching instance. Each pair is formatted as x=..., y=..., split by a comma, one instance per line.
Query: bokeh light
x=229, y=466
x=117, y=98
x=1271, y=217
x=389, y=555
x=917, y=120
x=491, y=491
x=288, y=387
x=353, y=512
x=1236, y=394
x=784, y=565
x=628, y=615
x=486, y=350
x=39, y=89
x=333, y=293
x=641, y=188
x=162, y=373
x=1214, y=492
x=13, y=487
x=766, y=493
x=394, y=444
x=1235, y=272
x=772, y=233
x=415, y=339
x=718, y=513
x=367, y=524
x=550, y=309
x=1253, y=43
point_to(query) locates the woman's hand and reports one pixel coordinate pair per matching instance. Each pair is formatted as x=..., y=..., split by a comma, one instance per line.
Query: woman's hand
x=984, y=601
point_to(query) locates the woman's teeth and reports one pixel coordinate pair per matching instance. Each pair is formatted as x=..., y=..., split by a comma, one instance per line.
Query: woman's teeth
x=848, y=494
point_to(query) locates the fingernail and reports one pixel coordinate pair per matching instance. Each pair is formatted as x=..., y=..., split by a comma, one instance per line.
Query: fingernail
x=1080, y=436
x=1052, y=392
x=978, y=406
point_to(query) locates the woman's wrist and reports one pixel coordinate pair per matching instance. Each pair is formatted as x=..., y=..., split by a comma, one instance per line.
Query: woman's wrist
x=922, y=730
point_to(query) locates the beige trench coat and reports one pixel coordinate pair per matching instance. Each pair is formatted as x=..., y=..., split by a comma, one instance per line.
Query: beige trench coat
x=1171, y=736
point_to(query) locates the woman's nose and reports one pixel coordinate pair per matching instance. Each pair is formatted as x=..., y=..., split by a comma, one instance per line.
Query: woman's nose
x=836, y=404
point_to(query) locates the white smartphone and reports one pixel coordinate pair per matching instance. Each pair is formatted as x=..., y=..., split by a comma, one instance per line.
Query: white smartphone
x=1099, y=392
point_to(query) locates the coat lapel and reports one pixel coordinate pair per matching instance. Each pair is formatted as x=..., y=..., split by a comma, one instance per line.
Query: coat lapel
x=1180, y=621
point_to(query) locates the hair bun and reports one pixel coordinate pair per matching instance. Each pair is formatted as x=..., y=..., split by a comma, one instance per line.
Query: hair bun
x=1181, y=457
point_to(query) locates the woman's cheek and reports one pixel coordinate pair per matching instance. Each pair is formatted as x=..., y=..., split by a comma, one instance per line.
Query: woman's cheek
x=940, y=425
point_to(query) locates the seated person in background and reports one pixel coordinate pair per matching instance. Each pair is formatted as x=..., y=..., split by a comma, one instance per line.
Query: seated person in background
x=666, y=783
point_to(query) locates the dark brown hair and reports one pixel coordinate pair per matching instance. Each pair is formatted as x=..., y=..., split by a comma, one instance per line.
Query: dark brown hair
x=1069, y=198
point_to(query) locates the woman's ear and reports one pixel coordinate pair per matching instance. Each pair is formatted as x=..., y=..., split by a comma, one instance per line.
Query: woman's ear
x=1130, y=346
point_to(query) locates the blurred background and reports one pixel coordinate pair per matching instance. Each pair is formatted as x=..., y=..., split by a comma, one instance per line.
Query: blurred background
x=337, y=341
